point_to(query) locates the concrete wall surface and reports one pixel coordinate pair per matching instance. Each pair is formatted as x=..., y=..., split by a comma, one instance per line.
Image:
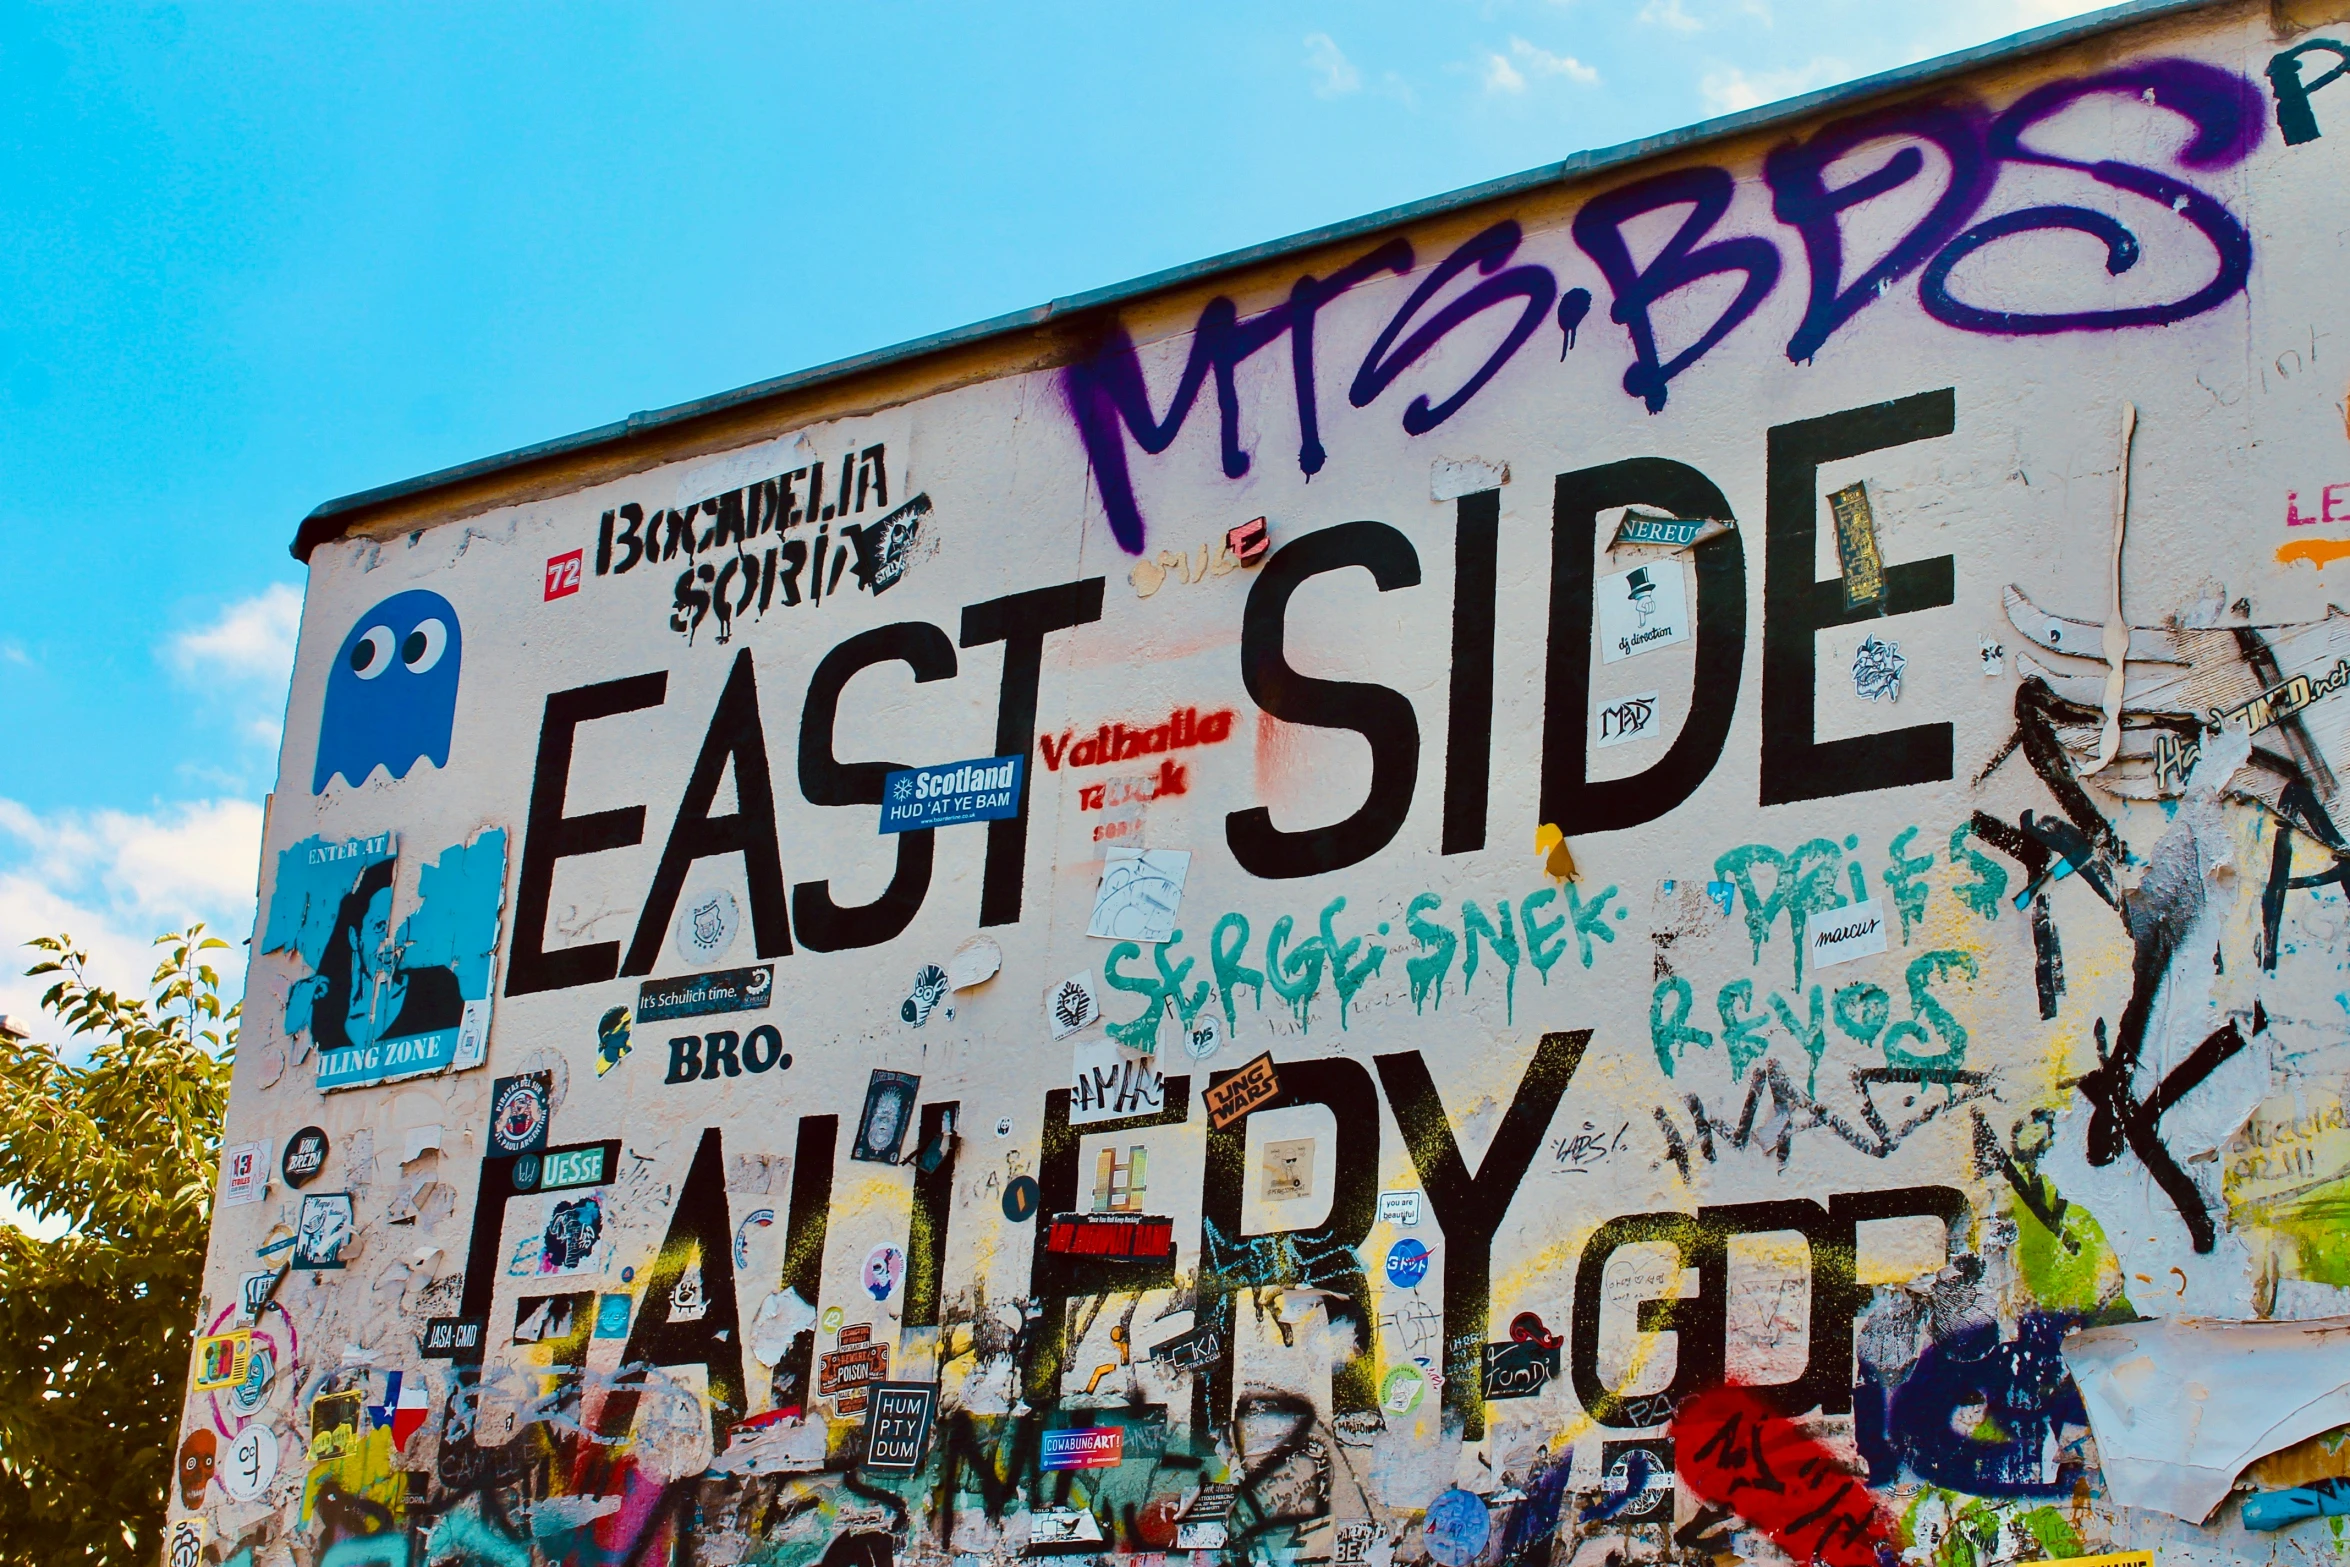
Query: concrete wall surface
x=1643, y=869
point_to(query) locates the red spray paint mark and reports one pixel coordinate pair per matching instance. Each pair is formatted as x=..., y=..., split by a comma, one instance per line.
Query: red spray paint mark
x=1734, y=1450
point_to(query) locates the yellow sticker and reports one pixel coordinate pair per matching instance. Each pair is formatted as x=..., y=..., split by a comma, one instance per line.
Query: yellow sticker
x=2117, y=1559
x=1856, y=546
x=221, y=1360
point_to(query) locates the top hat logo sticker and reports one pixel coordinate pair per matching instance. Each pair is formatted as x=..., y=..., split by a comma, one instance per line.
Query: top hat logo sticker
x=391, y=697
x=1642, y=589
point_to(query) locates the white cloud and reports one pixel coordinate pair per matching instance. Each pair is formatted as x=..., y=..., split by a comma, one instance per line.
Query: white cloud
x=1337, y=74
x=252, y=639
x=115, y=880
x=1730, y=89
x=1668, y=14
x=1541, y=62
x=1508, y=72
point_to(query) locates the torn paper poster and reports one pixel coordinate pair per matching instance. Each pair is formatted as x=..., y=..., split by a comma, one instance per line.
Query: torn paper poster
x=974, y=962
x=1060, y=1526
x=2275, y=1509
x=1642, y=610
x=384, y=1002
x=1450, y=478
x=782, y=1317
x=1856, y=547
x=2179, y=1407
x=1141, y=890
x=1674, y=533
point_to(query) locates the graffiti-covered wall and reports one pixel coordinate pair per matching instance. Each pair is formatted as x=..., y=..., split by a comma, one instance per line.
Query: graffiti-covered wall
x=1648, y=868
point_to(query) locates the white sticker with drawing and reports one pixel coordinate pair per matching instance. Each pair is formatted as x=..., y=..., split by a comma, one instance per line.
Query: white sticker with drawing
x=1642, y=610
x=1140, y=892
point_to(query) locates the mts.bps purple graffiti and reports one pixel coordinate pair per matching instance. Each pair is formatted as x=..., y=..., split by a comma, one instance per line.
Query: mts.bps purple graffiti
x=1110, y=403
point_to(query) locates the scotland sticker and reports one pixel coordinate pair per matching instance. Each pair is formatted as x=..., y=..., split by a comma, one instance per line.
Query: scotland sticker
x=984, y=790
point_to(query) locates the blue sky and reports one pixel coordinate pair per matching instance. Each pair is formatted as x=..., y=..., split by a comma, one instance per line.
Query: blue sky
x=254, y=256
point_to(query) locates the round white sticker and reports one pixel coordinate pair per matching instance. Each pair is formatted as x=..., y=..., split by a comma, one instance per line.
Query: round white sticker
x=706, y=926
x=250, y=1462
x=1205, y=1036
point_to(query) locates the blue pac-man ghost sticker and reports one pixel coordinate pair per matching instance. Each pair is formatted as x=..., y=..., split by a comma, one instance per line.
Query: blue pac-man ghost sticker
x=391, y=697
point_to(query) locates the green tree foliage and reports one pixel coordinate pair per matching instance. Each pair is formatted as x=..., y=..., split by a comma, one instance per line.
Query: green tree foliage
x=95, y=1326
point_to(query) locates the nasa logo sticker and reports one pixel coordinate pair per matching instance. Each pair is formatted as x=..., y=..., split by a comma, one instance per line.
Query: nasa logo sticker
x=519, y=1113
x=305, y=1156
x=1407, y=1264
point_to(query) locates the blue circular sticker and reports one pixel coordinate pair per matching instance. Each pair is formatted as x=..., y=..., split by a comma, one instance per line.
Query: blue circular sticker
x=1458, y=1528
x=1407, y=1264
x=1021, y=1198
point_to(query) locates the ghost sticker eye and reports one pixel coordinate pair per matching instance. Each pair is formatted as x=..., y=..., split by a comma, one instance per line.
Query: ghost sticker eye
x=424, y=646
x=371, y=655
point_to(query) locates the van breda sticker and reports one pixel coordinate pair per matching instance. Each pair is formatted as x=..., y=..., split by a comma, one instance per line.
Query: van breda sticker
x=305, y=1156
x=1642, y=609
x=1839, y=935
